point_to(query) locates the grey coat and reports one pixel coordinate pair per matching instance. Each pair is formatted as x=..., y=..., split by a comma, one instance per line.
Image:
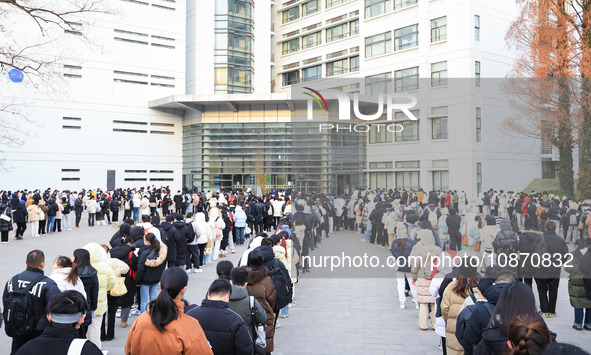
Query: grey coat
x=239, y=303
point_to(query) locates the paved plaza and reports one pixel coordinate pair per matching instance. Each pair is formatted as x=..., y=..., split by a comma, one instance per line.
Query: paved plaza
x=333, y=315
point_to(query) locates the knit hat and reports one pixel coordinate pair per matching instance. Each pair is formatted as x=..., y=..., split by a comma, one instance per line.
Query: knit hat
x=490, y=220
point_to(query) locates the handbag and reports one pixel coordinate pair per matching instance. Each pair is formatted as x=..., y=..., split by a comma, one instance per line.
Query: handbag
x=5, y=217
x=119, y=289
x=465, y=236
x=260, y=339
x=41, y=214
x=477, y=246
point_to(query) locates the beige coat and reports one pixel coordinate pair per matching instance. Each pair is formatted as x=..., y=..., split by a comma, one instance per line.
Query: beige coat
x=451, y=305
x=34, y=212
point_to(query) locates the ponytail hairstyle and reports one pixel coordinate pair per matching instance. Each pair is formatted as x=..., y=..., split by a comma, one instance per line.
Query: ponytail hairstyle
x=154, y=243
x=163, y=309
x=64, y=261
x=529, y=335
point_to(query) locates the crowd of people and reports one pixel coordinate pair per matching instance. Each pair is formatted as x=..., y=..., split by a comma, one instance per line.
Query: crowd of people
x=486, y=308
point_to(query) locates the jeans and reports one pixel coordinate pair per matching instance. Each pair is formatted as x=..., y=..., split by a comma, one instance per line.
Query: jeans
x=579, y=316
x=520, y=218
x=66, y=221
x=189, y=208
x=436, y=235
x=284, y=311
x=240, y=235
x=148, y=293
x=541, y=226
x=573, y=233
x=78, y=218
x=91, y=217
x=192, y=256
x=136, y=214
x=367, y=234
x=50, y=222
x=125, y=313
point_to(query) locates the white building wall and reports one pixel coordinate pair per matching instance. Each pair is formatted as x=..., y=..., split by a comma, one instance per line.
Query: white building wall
x=98, y=100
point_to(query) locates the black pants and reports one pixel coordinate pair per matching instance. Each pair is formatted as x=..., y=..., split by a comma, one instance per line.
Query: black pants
x=21, y=227
x=41, y=226
x=108, y=215
x=377, y=231
x=78, y=218
x=548, y=293
x=192, y=257
x=179, y=210
x=91, y=217
x=455, y=240
x=224, y=243
x=258, y=226
x=201, y=253
x=338, y=221
x=57, y=225
x=305, y=250
x=4, y=236
x=127, y=214
x=152, y=211
x=169, y=264
x=115, y=216
x=112, y=306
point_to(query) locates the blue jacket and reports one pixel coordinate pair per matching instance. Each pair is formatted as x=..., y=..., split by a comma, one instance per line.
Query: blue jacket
x=402, y=253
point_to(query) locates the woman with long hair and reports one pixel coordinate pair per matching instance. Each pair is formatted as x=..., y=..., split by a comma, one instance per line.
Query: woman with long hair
x=89, y=278
x=65, y=275
x=451, y=304
x=150, y=267
x=528, y=334
x=262, y=288
x=165, y=328
x=516, y=299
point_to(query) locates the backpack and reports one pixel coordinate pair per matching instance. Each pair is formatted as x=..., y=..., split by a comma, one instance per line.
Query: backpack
x=283, y=286
x=464, y=316
x=509, y=245
x=433, y=217
x=573, y=220
x=19, y=317
x=541, y=247
x=191, y=237
x=152, y=199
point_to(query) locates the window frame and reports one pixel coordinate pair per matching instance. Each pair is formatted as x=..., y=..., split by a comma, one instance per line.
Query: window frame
x=436, y=35
x=378, y=40
x=399, y=36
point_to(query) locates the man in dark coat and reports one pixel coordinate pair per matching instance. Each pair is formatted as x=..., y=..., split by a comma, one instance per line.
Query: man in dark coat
x=548, y=278
x=177, y=247
x=377, y=227
x=257, y=211
x=225, y=330
x=44, y=289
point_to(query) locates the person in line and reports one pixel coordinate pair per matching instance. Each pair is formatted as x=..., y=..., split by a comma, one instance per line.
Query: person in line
x=225, y=330
x=44, y=288
x=239, y=299
x=176, y=247
x=78, y=208
x=401, y=250
x=34, y=212
x=193, y=254
x=262, y=288
x=125, y=253
x=65, y=275
x=165, y=328
x=106, y=279
x=150, y=268
x=20, y=218
x=89, y=278
x=43, y=221
x=120, y=269
x=65, y=313
x=579, y=287
x=421, y=275
x=206, y=235
x=527, y=239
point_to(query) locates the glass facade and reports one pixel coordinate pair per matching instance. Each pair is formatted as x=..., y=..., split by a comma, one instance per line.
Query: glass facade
x=272, y=155
x=233, y=46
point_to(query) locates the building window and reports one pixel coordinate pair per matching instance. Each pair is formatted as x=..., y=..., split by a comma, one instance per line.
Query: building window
x=136, y=171
x=377, y=7
x=478, y=177
x=440, y=164
x=547, y=135
x=131, y=33
x=163, y=38
x=309, y=7
x=129, y=130
x=476, y=28
x=406, y=79
x=311, y=40
x=131, y=122
x=129, y=73
x=478, y=125
x=162, y=132
x=406, y=37
x=380, y=165
x=438, y=74
x=291, y=14
x=71, y=127
x=400, y=4
x=378, y=44
x=411, y=128
x=354, y=27
x=73, y=76
x=70, y=179
x=337, y=32
x=162, y=46
x=164, y=7
x=477, y=73
x=337, y=67
x=409, y=164
x=439, y=29
x=381, y=180
x=407, y=180
x=70, y=170
x=439, y=123
x=381, y=135
x=161, y=171
x=332, y=3
x=548, y=169
x=441, y=180
x=161, y=179
x=378, y=84
x=291, y=46
x=73, y=67
x=354, y=63
x=161, y=124
x=312, y=73
x=130, y=40
x=290, y=78
x=136, y=179
x=137, y=2
x=72, y=118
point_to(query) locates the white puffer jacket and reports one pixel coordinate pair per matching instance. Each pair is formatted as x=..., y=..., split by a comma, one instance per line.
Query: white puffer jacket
x=60, y=275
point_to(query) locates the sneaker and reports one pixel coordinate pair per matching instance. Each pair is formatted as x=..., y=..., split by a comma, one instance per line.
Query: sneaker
x=188, y=271
x=78, y=227
x=198, y=270
x=417, y=306
x=291, y=305
x=283, y=316
x=362, y=240
x=136, y=312
x=545, y=315
x=402, y=306
x=233, y=251
x=118, y=314
x=587, y=327
x=577, y=327
x=69, y=229
x=551, y=315
x=277, y=325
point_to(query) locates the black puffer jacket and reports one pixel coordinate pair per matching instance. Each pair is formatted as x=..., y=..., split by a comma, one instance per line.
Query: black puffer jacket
x=225, y=331
x=151, y=265
x=555, y=245
x=527, y=240
x=5, y=226
x=124, y=253
x=479, y=318
x=184, y=235
x=20, y=214
x=172, y=241
x=493, y=342
x=56, y=341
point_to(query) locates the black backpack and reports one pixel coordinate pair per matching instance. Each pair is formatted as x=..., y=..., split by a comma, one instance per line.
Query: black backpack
x=283, y=287
x=19, y=316
x=465, y=314
x=192, y=234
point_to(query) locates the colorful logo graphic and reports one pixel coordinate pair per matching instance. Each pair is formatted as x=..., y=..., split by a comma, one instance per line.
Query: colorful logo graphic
x=325, y=107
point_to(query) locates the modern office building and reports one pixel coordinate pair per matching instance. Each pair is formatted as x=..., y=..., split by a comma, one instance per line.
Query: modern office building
x=208, y=94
